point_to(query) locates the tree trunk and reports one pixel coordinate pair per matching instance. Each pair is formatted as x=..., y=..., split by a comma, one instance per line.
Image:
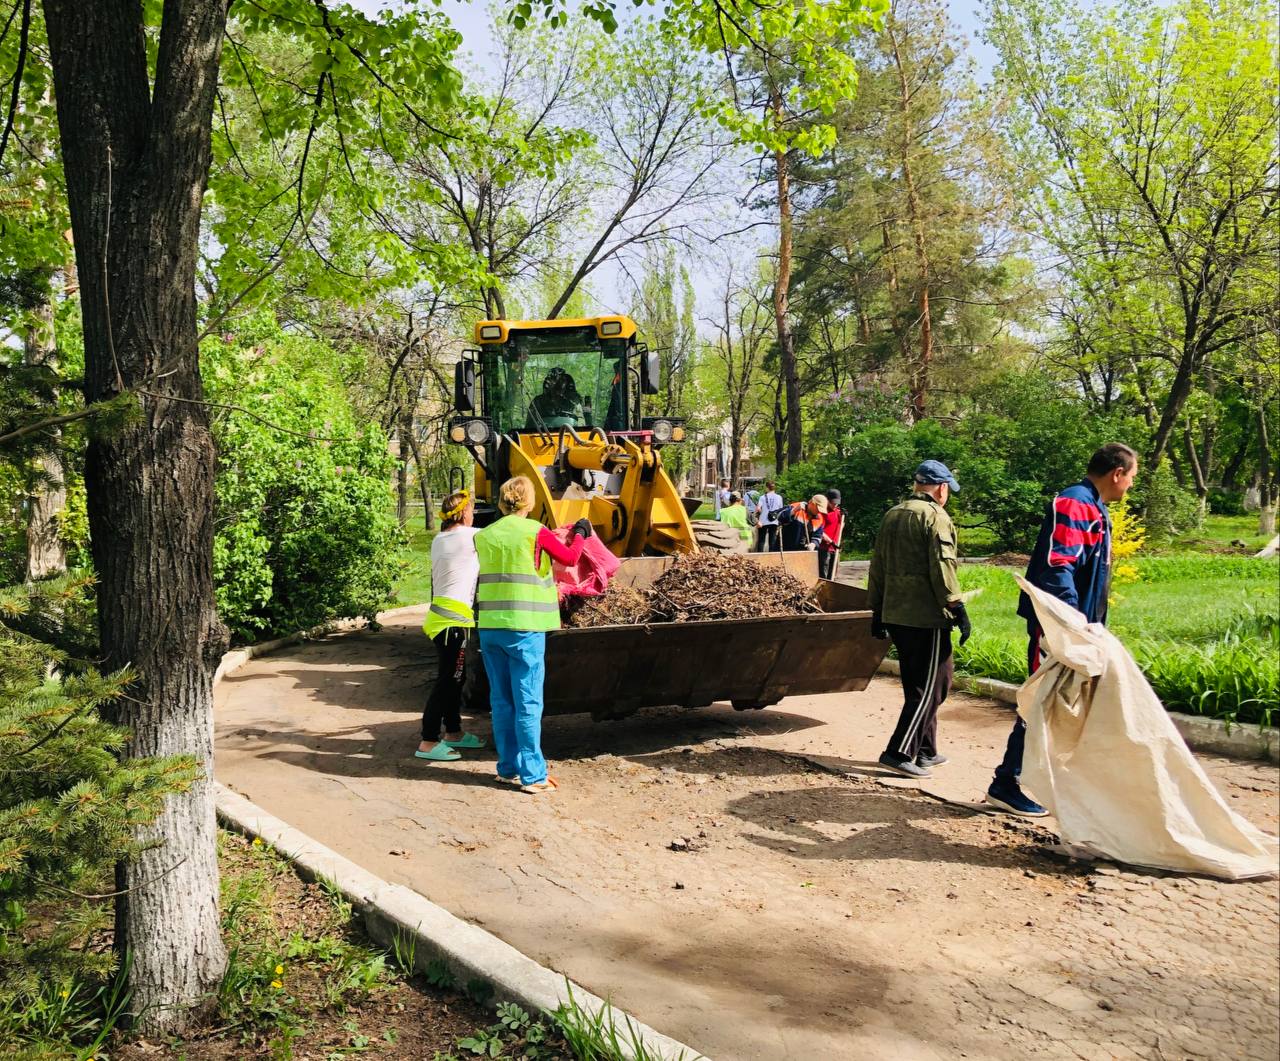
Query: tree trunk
x=735, y=456
x=1198, y=480
x=782, y=294
x=779, y=438
x=424, y=483
x=136, y=163
x=1179, y=392
x=47, y=494
x=1233, y=466
x=919, y=398
x=402, y=474
x=1266, y=486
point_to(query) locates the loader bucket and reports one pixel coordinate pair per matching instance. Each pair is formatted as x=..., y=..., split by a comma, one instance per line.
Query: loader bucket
x=614, y=671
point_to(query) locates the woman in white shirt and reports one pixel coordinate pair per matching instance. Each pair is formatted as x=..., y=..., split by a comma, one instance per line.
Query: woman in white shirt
x=454, y=570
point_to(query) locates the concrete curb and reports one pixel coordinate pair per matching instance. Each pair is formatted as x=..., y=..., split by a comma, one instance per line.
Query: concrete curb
x=395, y=914
x=1241, y=740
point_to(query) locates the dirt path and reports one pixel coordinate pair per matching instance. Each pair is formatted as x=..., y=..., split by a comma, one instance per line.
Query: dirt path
x=752, y=884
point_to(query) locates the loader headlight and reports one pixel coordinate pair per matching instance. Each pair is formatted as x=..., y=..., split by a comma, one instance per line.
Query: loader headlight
x=491, y=331
x=610, y=328
x=665, y=429
x=470, y=432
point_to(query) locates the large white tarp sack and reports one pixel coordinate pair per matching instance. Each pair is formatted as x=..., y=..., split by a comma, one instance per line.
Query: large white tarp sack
x=1104, y=757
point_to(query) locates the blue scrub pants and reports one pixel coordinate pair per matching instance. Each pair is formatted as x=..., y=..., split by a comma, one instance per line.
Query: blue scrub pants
x=515, y=661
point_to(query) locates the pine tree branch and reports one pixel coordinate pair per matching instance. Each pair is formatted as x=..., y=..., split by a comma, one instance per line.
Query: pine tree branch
x=52, y=421
x=109, y=895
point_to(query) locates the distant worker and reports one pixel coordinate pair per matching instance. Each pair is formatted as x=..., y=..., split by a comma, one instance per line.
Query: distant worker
x=832, y=533
x=1072, y=561
x=517, y=603
x=734, y=514
x=722, y=496
x=450, y=619
x=801, y=524
x=559, y=404
x=751, y=502
x=771, y=505
x=915, y=600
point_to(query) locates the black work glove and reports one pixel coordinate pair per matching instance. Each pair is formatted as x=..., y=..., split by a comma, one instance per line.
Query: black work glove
x=878, y=629
x=583, y=528
x=960, y=620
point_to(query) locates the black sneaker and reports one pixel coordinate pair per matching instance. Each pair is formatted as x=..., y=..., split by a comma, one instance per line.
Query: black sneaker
x=899, y=764
x=1011, y=798
x=930, y=761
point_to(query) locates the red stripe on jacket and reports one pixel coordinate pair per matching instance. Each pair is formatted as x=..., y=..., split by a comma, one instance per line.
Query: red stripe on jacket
x=1079, y=510
x=1065, y=534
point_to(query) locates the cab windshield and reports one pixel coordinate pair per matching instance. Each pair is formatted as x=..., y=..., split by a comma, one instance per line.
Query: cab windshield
x=567, y=377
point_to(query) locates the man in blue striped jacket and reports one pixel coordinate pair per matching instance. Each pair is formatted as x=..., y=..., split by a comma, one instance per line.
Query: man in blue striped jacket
x=1072, y=561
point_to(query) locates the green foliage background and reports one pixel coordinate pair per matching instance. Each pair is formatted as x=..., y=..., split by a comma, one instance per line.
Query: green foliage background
x=304, y=529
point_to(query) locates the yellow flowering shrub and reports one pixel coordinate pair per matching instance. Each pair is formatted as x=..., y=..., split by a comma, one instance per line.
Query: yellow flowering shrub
x=1128, y=535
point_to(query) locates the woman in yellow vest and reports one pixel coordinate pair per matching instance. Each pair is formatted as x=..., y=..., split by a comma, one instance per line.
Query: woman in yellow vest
x=454, y=569
x=517, y=603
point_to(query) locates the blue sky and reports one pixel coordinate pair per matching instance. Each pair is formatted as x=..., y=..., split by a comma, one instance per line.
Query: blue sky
x=608, y=285
x=473, y=19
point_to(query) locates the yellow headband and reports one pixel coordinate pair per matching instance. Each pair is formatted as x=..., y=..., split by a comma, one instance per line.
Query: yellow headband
x=459, y=508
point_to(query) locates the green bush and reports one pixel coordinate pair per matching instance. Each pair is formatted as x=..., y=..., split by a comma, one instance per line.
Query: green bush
x=1226, y=502
x=1022, y=440
x=304, y=527
x=1204, y=630
x=1202, y=566
x=1236, y=678
x=873, y=474
x=1166, y=508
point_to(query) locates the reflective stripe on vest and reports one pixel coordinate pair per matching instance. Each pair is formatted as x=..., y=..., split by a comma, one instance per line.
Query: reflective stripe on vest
x=511, y=593
x=516, y=580
x=520, y=605
x=446, y=612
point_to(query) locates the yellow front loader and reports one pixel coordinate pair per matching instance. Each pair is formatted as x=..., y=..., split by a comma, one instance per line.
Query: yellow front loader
x=559, y=402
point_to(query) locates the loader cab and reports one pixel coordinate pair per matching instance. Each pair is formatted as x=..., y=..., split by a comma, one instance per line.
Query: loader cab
x=560, y=402
x=545, y=378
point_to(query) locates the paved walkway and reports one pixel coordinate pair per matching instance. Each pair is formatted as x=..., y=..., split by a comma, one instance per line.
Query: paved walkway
x=752, y=884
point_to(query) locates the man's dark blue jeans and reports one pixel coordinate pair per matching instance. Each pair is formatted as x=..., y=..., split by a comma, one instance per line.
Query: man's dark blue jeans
x=1010, y=768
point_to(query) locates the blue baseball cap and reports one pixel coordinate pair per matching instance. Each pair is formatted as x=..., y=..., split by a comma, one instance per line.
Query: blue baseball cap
x=933, y=472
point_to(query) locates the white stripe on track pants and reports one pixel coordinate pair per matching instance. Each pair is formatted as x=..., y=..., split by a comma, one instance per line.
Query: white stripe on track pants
x=925, y=657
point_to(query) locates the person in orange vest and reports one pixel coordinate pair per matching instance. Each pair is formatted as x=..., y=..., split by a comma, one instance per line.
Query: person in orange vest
x=801, y=523
x=516, y=604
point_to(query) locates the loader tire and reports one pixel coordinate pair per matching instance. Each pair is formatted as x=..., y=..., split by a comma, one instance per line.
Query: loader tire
x=714, y=535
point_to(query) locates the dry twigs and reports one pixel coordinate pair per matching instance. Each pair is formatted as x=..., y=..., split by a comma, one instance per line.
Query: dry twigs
x=700, y=586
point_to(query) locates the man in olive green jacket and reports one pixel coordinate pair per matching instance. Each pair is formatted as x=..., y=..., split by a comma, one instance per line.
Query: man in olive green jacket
x=915, y=600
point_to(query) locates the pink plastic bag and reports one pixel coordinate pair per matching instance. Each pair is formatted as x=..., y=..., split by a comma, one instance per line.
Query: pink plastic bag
x=589, y=577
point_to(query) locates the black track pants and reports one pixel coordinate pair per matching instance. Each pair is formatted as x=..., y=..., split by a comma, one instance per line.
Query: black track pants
x=925, y=656
x=444, y=703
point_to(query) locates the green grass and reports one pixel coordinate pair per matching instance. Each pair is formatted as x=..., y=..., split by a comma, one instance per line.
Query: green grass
x=977, y=541
x=1217, y=533
x=1203, y=628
